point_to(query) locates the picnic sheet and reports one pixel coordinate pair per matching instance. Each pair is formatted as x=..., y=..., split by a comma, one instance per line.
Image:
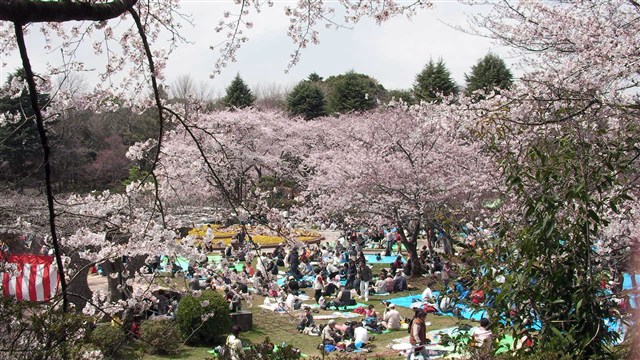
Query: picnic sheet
x=435, y=349
x=272, y=307
x=413, y=301
x=627, y=284
x=349, y=307
x=371, y=259
x=282, y=280
x=337, y=315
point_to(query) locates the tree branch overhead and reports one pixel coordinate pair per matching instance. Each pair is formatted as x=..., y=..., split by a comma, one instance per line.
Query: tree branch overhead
x=34, y=11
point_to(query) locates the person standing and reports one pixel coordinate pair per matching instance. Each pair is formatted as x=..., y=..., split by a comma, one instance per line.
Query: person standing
x=234, y=345
x=293, y=260
x=418, y=335
x=318, y=286
x=399, y=242
x=389, y=240
x=365, y=276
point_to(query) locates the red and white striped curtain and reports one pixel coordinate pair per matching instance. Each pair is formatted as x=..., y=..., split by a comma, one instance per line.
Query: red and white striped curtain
x=35, y=277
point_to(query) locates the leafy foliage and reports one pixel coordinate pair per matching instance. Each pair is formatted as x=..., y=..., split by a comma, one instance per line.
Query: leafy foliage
x=31, y=332
x=434, y=82
x=160, y=337
x=405, y=95
x=111, y=340
x=20, y=149
x=307, y=99
x=352, y=92
x=238, y=94
x=567, y=181
x=489, y=74
x=201, y=324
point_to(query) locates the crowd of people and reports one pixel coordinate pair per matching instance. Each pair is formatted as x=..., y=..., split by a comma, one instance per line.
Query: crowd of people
x=338, y=274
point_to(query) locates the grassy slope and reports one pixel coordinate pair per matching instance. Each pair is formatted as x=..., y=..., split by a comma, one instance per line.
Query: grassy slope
x=282, y=328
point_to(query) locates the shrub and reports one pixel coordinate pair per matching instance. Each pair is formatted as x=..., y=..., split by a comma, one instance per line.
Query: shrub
x=191, y=313
x=111, y=341
x=536, y=355
x=160, y=337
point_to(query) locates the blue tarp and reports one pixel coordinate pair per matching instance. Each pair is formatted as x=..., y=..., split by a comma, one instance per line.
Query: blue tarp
x=466, y=312
x=371, y=259
x=626, y=283
x=405, y=301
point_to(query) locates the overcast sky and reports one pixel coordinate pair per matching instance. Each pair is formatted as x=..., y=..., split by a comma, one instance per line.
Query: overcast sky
x=392, y=53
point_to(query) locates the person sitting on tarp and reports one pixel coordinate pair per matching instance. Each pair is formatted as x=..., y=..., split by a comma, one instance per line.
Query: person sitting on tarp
x=292, y=302
x=349, y=333
x=331, y=335
x=371, y=319
x=390, y=284
x=293, y=286
x=307, y=269
x=391, y=318
x=461, y=290
x=360, y=335
x=379, y=287
x=400, y=281
x=306, y=320
x=427, y=295
x=248, y=269
x=330, y=288
x=343, y=298
x=482, y=337
x=445, y=304
x=397, y=264
x=477, y=297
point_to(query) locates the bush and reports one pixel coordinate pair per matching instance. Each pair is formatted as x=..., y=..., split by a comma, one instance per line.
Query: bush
x=536, y=355
x=111, y=341
x=191, y=313
x=160, y=337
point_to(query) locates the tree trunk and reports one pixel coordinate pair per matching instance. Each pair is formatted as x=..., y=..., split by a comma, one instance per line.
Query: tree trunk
x=118, y=288
x=412, y=247
x=79, y=290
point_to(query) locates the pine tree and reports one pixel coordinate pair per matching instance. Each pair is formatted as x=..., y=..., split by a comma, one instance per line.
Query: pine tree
x=238, y=94
x=434, y=82
x=307, y=99
x=353, y=92
x=489, y=74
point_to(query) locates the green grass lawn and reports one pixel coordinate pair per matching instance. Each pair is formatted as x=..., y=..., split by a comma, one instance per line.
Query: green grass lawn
x=282, y=328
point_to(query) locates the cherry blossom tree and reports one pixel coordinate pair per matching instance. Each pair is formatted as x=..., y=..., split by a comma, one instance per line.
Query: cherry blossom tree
x=398, y=166
x=566, y=137
x=117, y=225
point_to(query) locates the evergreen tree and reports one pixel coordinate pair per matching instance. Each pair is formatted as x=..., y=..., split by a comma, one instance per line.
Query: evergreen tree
x=405, y=95
x=313, y=77
x=307, y=99
x=20, y=147
x=489, y=74
x=238, y=94
x=353, y=92
x=434, y=82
